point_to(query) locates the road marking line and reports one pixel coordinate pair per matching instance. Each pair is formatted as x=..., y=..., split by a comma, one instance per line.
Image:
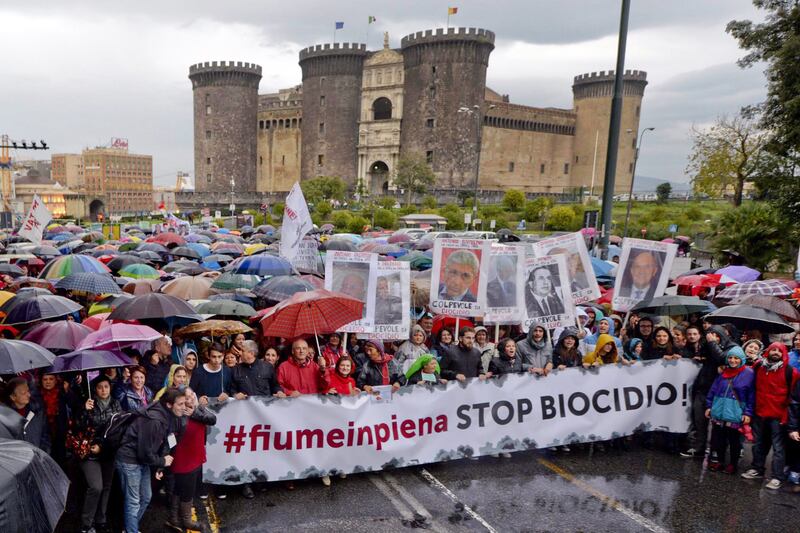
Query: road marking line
x=401, y=507
x=608, y=500
x=211, y=512
x=409, y=498
x=447, y=492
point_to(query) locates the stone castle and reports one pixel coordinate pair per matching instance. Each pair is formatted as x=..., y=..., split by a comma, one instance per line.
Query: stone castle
x=357, y=112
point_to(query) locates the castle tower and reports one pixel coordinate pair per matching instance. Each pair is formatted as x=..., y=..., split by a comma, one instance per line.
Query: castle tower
x=331, y=105
x=445, y=70
x=225, y=127
x=592, y=95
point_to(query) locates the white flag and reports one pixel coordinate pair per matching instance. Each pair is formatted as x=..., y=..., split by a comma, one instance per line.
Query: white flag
x=296, y=222
x=37, y=220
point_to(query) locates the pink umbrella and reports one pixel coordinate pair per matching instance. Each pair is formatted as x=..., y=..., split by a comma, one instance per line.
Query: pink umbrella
x=118, y=336
x=59, y=335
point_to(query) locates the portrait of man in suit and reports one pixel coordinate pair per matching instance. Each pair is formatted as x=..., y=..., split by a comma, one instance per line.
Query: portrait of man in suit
x=501, y=291
x=388, y=307
x=458, y=273
x=351, y=279
x=541, y=298
x=577, y=276
x=641, y=274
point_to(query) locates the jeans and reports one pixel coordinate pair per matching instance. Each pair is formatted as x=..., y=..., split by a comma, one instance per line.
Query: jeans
x=136, y=489
x=698, y=428
x=768, y=432
x=99, y=474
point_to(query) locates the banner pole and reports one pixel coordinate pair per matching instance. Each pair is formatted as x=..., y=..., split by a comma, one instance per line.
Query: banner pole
x=344, y=343
x=455, y=333
x=496, y=333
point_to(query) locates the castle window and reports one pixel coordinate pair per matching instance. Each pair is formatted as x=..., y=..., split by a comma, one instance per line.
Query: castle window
x=382, y=109
x=429, y=157
x=280, y=123
x=208, y=160
x=432, y=91
x=638, y=110
x=322, y=100
x=321, y=82
x=576, y=159
x=380, y=77
x=208, y=109
x=261, y=160
x=633, y=143
x=283, y=160
x=429, y=123
x=630, y=168
x=287, y=123
x=208, y=178
x=566, y=168
x=208, y=134
x=320, y=160
x=266, y=125
x=294, y=122
x=511, y=166
x=541, y=168
x=433, y=70
x=261, y=124
x=322, y=128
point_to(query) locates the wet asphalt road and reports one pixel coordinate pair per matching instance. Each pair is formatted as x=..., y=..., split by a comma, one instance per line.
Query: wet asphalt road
x=616, y=491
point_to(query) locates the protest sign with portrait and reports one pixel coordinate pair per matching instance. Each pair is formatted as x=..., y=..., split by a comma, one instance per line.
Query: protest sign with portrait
x=354, y=274
x=505, y=286
x=393, y=301
x=643, y=272
x=547, y=296
x=582, y=281
x=459, y=276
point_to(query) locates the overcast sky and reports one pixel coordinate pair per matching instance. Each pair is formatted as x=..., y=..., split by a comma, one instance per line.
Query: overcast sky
x=79, y=72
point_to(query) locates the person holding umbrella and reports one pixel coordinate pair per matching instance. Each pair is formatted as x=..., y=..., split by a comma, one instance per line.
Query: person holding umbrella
x=98, y=465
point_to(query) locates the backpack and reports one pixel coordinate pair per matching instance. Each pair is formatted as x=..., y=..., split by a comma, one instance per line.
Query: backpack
x=110, y=437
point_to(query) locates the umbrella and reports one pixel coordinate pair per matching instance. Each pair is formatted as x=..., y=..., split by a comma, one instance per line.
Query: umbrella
x=315, y=281
x=256, y=248
x=769, y=287
x=201, y=249
x=705, y=280
x=197, y=238
x=740, y=273
x=311, y=313
x=673, y=305
x=188, y=288
x=45, y=251
x=58, y=335
x=444, y=321
x=108, y=303
x=124, y=260
x=264, y=265
x=20, y=356
x=236, y=296
x=118, y=335
x=11, y=270
x=189, y=269
x=90, y=282
x=226, y=308
x=138, y=271
x=6, y=296
x=82, y=359
x=168, y=238
x=33, y=488
x=155, y=305
x=227, y=248
x=185, y=251
x=396, y=238
x=99, y=321
x=217, y=258
x=72, y=264
x=750, y=317
x=339, y=245
x=214, y=328
x=772, y=303
x=602, y=269
x=232, y=281
x=152, y=247
x=27, y=281
x=40, y=308
x=149, y=255
x=141, y=286
x=280, y=288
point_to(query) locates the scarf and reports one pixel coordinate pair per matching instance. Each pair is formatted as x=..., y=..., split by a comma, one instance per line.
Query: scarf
x=730, y=373
x=103, y=404
x=771, y=367
x=51, y=401
x=384, y=371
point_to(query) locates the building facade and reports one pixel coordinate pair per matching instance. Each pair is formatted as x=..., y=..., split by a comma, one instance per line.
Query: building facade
x=358, y=111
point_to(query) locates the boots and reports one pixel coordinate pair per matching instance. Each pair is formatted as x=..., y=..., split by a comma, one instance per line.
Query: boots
x=174, y=520
x=186, y=517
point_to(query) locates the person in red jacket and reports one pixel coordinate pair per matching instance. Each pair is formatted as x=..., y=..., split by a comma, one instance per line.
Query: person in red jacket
x=340, y=379
x=300, y=375
x=774, y=382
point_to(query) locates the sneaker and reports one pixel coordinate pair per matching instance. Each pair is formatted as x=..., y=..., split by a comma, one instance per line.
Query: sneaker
x=565, y=449
x=689, y=454
x=204, y=496
x=505, y=455
x=773, y=484
x=326, y=480
x=222, y=495
x=752, y=474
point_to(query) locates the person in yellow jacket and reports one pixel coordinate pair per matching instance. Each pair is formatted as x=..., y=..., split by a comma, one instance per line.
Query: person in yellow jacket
x=605, y=353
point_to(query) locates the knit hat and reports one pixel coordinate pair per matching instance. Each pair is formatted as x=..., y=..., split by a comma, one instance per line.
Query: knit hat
x=736, y=351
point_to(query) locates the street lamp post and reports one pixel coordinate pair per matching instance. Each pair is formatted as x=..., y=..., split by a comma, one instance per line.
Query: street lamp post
x=633, y=178
x=232, y=206
x=476, y=112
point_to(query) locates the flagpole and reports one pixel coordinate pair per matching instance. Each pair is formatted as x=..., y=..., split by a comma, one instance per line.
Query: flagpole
x=448, y=18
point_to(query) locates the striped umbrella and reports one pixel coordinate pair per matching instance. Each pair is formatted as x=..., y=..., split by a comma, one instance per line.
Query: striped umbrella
x=311, y=313
x=89, y=282
x=771, y=287
x=139, y=271
x=72, y=264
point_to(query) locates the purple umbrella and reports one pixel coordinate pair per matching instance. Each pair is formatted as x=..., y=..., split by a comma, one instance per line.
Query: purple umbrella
x=740, y=273
x=60, y=335
x=118, y=335
x=81, y=360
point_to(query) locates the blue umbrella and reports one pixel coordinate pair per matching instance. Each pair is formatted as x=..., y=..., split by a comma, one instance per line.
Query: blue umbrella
x=19, y=356
x=602, y=269
x=201, y=249
x=264, y=265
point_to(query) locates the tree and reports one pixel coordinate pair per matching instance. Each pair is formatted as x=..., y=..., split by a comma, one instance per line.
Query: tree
x=562, y=218
x=727, y=155
x=414, y=175
x=323, y=189
x=429, y=202
x=385, y=219
x=534, y=209
x=514, y=200
x=663, y=191
x=755, y=230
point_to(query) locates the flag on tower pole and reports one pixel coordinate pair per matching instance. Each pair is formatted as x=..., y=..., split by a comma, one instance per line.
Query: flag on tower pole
x=451, y=11
x=337, y=26
x=371, y=19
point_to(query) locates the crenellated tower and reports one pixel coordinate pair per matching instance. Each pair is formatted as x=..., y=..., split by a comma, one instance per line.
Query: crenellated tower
x=444, y=71
x=331, y=106
x=592, y=95
x=225, y=128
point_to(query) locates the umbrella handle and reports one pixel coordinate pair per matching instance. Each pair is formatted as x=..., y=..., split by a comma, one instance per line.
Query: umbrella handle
x=316, y=337
x=88, y=386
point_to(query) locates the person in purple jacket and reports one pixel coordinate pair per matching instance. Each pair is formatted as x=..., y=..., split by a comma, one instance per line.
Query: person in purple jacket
x=729, y=405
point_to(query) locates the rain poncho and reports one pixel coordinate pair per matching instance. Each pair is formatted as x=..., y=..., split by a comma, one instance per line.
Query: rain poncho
x=590, y=341
x=170, y=381
x=414, y=373
x=598, y=355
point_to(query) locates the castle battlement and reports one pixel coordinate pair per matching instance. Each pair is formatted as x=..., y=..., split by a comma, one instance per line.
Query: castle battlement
x=225, y=66
x=604, y=76
x=335, y=49
x=448, y=34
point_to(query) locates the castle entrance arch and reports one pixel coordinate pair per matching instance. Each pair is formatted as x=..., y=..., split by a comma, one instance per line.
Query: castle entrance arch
x=97, y=207
x=379, y=178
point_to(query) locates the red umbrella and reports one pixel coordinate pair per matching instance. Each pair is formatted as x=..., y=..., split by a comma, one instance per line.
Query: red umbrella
x=449, y=322
x=311, y=313
x=705, y=280
x=167, y=239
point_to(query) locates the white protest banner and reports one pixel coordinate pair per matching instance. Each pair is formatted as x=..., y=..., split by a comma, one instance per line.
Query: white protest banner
x=307, y=257
x=266, y=439
x=37, y=220
x=458, y=276
x=296, y=222
x=354, y=274
x=643, y=272
x=547, y=296
x=505, y=290
x=393, y=301
x=582, y=281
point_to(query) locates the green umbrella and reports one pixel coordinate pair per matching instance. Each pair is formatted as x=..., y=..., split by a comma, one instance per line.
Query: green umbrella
x=226, y=308
x=231, y=282
x=139, y=271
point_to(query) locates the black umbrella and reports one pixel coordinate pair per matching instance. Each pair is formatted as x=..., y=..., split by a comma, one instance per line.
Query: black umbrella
x=185, y=251
x=179, y=265
x=154, y=306
x=673, y=305
x=152, y=247
x=40, y=308
x=91, y=282
x=697, y=271
x=19, y=356
x=11, y=270
x=33, y=488
x=279, y=288
x=149, y=255
x=338, y=244
x=750, y=317
x=121, y=261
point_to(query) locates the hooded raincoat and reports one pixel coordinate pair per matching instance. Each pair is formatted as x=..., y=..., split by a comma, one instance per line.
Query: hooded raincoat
x=535, y=354
x=601, y=357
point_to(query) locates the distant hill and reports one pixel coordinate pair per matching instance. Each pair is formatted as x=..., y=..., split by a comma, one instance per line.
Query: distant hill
x=649, y=184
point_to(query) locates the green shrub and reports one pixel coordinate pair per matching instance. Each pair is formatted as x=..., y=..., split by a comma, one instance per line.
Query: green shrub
x=323, y=209
x=454, y=216
x=562, y=218
x=429, y=202
x=385, y=219
x=341, y=220
x=357, y=224
x=755, y=230
x=514, y=200
x=387, y=202
x=534, y=209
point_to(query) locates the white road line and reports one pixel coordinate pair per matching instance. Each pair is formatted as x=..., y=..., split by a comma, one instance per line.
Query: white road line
x=447, y=492
x=409, y=498
x=401, y=507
